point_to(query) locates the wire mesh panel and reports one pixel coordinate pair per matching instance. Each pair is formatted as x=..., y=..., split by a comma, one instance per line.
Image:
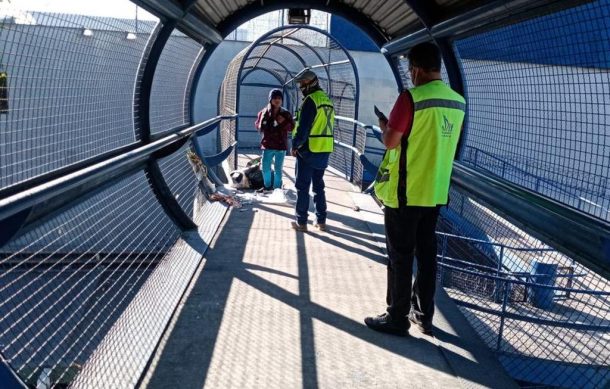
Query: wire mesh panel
x=539, y=105
x=169, y=100
x=545, y=315
x=227, y=105
x=69, y=82
x=65, y=283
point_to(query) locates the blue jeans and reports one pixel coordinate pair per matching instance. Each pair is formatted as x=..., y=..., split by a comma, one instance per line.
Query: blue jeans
x=268, y=155
x=308, y=176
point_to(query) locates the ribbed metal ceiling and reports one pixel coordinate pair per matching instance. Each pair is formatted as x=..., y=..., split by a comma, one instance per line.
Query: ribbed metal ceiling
x=391, y=18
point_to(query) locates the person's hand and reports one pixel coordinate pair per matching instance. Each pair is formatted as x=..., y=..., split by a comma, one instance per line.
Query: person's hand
x=293, y=152
x=280, y=119
x=383, y=124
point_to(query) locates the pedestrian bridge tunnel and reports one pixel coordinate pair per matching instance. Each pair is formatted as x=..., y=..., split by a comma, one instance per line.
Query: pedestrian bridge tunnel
x=102, y=123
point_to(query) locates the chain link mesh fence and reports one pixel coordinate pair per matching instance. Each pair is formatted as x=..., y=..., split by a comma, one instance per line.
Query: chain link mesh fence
x=65, y=283
x=56, y=113
x=544, y=314
x=539, y=105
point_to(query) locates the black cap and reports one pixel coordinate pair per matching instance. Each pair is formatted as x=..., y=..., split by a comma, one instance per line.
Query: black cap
x=275, y=93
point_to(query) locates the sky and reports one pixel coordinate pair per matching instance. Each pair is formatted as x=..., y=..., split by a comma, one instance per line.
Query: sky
x=111, y=8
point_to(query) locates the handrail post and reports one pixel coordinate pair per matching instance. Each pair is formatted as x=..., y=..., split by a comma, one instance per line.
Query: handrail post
x=502, y=316
x=498, y=271
x=443, y=254
x=353, y=161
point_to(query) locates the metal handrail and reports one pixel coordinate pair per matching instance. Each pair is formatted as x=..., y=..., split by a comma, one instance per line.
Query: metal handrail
x=102, y=171
x=525, y=283
x=539, y=180
x=494, y=243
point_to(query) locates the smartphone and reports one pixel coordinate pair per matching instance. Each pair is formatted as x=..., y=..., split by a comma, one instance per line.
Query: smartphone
x=380, y=114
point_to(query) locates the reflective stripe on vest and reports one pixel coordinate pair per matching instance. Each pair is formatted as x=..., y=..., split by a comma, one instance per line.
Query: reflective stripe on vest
x=432, y=142
x=322, y=130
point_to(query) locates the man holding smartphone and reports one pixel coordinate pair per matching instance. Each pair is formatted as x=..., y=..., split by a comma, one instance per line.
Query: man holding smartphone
x=421, y=138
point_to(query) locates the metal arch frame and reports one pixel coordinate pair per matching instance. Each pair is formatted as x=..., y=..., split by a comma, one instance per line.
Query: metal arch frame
x=269, y=71
x=272, y=60
x=283, y=47
x=281, y=84
x=307, y=27
x=266, y=36
x=141, y=114
x=315, y=52
x=272, y=40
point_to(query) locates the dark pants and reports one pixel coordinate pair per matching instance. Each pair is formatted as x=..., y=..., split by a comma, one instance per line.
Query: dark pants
x=308, y=176
x=411, y=231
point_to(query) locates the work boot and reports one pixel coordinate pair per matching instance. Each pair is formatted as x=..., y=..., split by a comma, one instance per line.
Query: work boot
x=385, y=323
x=321, y=226
x=298, y=227
x=423, y=327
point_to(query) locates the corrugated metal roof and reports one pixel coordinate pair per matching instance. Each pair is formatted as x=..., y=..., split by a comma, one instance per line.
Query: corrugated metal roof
x=392, y=17
x=382, y=20
x=388, y=18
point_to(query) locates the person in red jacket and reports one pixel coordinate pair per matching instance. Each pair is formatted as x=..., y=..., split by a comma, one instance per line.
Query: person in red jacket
x=274, y=122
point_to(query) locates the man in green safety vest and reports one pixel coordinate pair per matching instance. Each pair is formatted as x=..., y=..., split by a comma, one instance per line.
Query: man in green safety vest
x=312, y=143
x=421, y=138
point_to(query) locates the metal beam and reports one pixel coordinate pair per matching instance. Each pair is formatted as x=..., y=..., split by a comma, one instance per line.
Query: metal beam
x=172, y=11
x=575, y=233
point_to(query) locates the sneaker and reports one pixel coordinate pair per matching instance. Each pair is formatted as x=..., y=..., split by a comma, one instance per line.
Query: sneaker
x=321, y=226
x=384, y=323
x=298, y=227
x=264, y=190
x=424, y=328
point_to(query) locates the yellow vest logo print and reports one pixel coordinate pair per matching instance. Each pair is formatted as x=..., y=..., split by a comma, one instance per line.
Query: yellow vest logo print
x=447, y=128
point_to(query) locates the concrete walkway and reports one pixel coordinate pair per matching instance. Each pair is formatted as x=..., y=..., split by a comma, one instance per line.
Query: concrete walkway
x=275, y=308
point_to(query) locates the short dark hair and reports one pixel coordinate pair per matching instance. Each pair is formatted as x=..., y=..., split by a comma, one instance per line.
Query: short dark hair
x=425, y=55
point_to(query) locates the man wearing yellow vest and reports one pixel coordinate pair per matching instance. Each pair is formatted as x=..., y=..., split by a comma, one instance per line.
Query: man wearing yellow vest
x=312, y=143
x=421, y=138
